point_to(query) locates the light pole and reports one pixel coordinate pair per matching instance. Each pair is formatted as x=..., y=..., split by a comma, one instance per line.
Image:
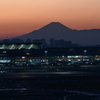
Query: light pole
x=63, y=61
x=46, y=53
x=85, y=52
x=46, y=58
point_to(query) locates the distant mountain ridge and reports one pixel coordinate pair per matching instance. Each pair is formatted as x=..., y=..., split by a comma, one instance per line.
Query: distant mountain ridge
x=57, y=31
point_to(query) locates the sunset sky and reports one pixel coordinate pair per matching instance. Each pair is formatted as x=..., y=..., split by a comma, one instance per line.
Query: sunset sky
x=19, y=17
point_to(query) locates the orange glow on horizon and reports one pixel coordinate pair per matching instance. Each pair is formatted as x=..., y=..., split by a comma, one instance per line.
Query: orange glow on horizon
x=19, y=17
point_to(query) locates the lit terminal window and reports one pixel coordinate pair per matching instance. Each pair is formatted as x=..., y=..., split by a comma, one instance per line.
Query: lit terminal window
x=96, y=55
x=69, y=59
x=4, y=51
x=76, y=56
x=69, y=56
x=57, y=56
x=27, y=53
x=23, y=57
x=62, y=56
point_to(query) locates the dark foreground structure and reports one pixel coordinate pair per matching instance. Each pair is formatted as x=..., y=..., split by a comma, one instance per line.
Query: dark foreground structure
x=43, y=82
x=30, y=86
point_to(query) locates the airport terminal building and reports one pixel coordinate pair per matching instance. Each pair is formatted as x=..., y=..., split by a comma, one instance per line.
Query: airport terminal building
x=16, y=52
x=23, y=53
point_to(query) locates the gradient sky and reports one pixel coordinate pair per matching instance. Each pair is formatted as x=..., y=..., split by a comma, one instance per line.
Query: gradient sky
x=19, y=17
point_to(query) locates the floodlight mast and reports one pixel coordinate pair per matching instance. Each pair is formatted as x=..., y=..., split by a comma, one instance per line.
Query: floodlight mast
x=46, y=53
x=21, y=46
x=2, y=47
x=85, y=52
x=46, y=57
x=30, y=46
x=12, y=46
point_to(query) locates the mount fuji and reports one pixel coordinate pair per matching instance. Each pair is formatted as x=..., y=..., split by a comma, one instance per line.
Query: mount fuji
x=58, y=31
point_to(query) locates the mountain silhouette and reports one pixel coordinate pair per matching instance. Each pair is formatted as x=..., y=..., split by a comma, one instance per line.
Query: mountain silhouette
x=57, y=31
x=54, y=27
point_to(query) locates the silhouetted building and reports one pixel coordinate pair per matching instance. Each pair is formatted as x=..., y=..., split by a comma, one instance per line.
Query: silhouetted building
x=42, y=41
x=68, y=43
x=52, y=42
x=16, y=41
x=5, y=41
x=28, y=41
